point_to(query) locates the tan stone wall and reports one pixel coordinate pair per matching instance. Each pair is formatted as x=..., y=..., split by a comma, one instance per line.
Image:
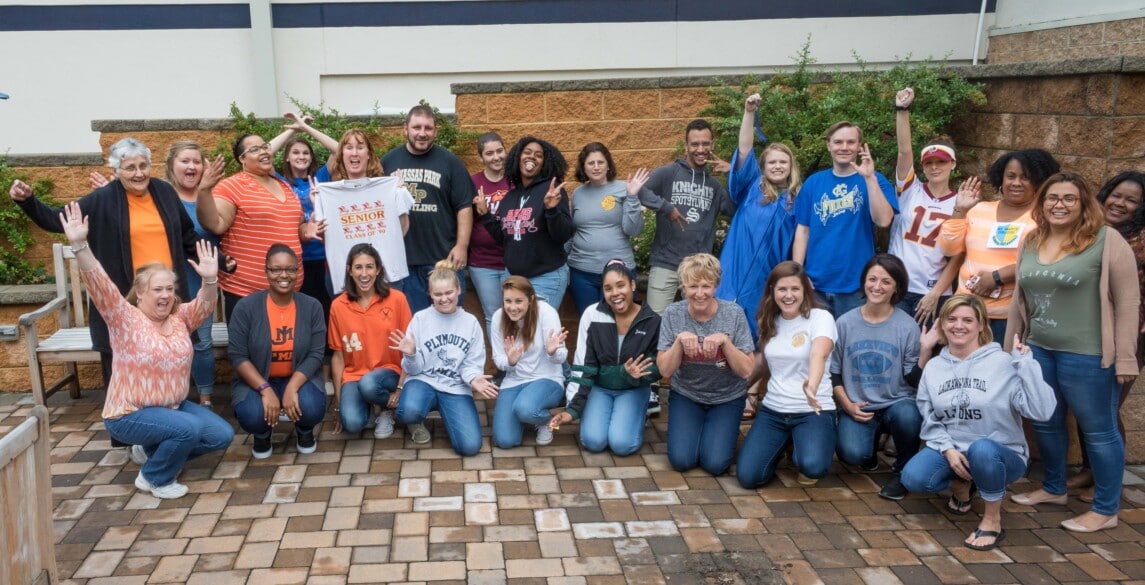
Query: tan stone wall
x=641, y=127
x=1103, y=39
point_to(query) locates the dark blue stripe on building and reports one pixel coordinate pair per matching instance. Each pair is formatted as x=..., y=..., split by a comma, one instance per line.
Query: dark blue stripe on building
x=124, y=17
x=458, y=13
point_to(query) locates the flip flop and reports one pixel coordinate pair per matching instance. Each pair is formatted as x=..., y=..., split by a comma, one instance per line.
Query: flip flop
x=961, y=507
x=979, y=533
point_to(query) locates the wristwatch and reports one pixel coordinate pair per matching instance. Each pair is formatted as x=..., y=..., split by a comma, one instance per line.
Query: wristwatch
x=997, y=278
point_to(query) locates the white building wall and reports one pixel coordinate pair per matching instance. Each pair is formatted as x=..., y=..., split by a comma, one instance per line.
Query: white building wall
x=60, y=81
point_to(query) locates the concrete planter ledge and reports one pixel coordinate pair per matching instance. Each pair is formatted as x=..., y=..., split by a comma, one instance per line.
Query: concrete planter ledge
x=26, y=294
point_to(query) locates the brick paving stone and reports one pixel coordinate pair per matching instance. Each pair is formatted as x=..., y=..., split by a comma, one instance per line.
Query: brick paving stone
x=405, y=549
x=640, y=529
x=510, y=533
x=969, y=556
x=1096, y=567
x=592, y=566
x=888, y=557
x=331, y=561
x=701, y=540
x=378, y=573
x=618, y=511
x=834, y=559
x=659, y=498
x=1120, y=551
x=552, y=519
x=598, y=530
x=481, y=514
x=779, y=546
x=878, y=576
x=557, y=544
x=689, y=516
x=800, y=573
x=99, y=564
x=920, y=542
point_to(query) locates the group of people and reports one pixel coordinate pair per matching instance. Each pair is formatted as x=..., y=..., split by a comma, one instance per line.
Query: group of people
x=799, y=326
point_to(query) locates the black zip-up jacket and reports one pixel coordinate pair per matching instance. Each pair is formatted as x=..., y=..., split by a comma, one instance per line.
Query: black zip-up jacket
x=600, y=362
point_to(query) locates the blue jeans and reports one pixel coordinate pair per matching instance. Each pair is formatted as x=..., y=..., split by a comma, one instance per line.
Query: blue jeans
x=840, y=303
x=356, y=398
x=458, y=414
x=551, y=286
x=812, y=434
x=702, y=434
x=586, y=288
x=856, y=444
x=487, y=283
x=203, y=361
x=171, y=437
x=614, y=419
x=992, y=465
x=416, y=287
x=527, y=404
x=998, y=330
x=311, y=400
x=1081, y=385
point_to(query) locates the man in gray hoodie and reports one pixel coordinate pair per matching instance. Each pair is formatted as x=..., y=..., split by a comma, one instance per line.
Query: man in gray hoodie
x=687, y=203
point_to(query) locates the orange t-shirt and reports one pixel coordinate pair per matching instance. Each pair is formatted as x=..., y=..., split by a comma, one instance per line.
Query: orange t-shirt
x=281, y=338
x=148, y=235
x=363, y=335
x=262, y=218
x=989, y=245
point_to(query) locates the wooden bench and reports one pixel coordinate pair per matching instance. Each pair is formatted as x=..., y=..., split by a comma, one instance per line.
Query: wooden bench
x=71, y=343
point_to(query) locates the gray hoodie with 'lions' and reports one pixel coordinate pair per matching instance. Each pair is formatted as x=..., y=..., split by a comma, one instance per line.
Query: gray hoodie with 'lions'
x=983, y=396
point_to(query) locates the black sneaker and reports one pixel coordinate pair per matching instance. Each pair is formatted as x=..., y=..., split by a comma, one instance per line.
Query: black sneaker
x=305, y=440
x=894, y=490
x=262, y=447
x=654, y=402
x=871, y=467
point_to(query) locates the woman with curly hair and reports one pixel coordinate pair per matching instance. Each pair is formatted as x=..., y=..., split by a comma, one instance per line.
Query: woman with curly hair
x=990, y=233
x=534, y=220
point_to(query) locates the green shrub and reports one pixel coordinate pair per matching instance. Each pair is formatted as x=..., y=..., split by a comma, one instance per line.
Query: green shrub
x=15, y=230
x=334, y=124
x=798, y=105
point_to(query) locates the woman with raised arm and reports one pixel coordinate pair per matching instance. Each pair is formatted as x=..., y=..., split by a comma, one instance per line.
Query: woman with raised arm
x=763, y=227
x=444, y=361
x=973, y=397
x=616, y=364
x=1077, y=305
x=606, y=213
x=923, y=206
x=705, y=348
x=146, y=404
x=529, y=346
x=990, y=233
x=249, y=209
x=534, y=220
x=795, y=340
x=487, y=255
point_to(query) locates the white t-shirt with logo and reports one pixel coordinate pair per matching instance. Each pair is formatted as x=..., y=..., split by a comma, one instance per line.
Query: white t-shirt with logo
x=788, y=357
x=365, y=211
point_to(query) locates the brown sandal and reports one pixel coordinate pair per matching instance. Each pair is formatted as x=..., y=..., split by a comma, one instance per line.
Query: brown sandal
x=750, y=408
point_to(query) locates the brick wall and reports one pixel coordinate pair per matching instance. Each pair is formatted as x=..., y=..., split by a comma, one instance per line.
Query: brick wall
x=1103, y=39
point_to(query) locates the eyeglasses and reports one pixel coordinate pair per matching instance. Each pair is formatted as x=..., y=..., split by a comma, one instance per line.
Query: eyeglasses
x=1068, y=200
x=139, y=168
x=276, y=271
x=264, y=147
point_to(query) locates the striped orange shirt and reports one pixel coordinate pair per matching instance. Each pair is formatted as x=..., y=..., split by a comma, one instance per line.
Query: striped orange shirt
x=989, y=245
x=149, y=367
x=261, y=220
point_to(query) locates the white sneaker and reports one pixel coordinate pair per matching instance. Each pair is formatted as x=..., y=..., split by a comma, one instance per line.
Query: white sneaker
x=384, y=427
x=419, y=434
x=544, y=435
x=170, y=491
x=654, y=402
x=137, y=454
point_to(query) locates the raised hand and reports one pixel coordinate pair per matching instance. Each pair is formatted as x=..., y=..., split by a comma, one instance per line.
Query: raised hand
x=403, y=343
x=751, y=104
x=553, y=196
x=639, y=367
x=75, y=224
x=866, y=164
x=929, y=338
x=719, y=165
x=513, y=350
x=969, y=194
x=636, y=182
x=296, y=123
x=905, y=97
x=480, y=205
x=555, y=340
x=20, y=191
x=213, y=173
x=208, y=265
x=97, y=180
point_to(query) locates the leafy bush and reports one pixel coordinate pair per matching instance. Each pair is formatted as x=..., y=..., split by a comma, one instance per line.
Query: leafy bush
x=15, y=234
x=797, y=106
x=334, y=124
